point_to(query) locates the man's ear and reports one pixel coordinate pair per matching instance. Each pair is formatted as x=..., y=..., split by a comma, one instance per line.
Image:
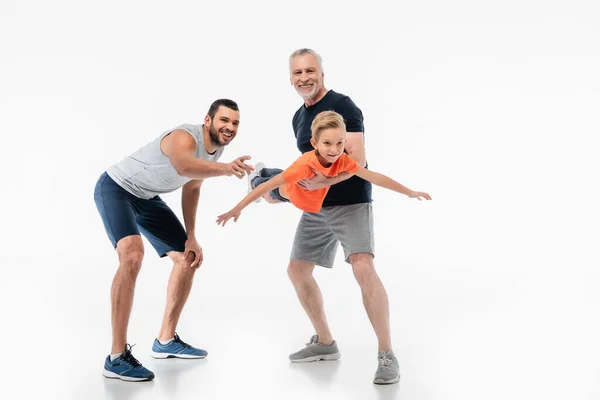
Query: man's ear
x=207, y=120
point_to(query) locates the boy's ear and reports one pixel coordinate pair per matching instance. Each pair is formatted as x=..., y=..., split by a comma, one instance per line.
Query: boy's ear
x=313, y=142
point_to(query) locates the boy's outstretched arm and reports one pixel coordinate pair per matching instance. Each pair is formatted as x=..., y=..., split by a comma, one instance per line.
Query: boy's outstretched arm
x=260, y=190
x=381, y=180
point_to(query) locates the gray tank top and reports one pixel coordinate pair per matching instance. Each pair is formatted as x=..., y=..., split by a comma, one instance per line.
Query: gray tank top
x=148, y=172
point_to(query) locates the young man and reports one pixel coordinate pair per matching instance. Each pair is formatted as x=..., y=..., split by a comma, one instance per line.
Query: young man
x=346, y=218
x=128, y=199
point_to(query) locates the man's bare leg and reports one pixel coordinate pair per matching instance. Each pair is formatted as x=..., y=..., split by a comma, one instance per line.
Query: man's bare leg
x=131, y=252
x=374, y=297
x=310, y=297
x=178, y=291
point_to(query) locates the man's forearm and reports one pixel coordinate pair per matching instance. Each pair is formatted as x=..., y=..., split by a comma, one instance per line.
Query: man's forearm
x=337, y=179
x=189, y=206
x=201, y=169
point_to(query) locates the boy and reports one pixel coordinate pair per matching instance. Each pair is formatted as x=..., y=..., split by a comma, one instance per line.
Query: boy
x=328, y=139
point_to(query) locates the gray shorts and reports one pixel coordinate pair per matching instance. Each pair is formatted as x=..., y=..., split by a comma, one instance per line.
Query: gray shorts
x=318, y=234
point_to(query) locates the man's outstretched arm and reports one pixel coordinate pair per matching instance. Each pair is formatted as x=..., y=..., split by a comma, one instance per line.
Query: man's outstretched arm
x=180, y=147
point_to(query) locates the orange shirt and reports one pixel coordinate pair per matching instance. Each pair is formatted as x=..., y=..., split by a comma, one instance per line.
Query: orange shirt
x=312, y=200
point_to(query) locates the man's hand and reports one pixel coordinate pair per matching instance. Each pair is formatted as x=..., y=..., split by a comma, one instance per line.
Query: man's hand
x=192, y=246
x=238, y=167
x=319, y=181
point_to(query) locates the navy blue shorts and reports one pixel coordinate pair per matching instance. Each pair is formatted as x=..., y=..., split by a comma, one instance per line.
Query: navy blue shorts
x=124, y=214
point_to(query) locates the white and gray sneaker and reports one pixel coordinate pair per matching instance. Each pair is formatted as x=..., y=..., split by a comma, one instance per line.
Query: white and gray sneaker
x=257, y=168
x=315, y=351
x=388, y=370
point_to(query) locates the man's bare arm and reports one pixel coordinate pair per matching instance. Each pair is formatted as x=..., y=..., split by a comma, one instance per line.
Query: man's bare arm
x=190, y=195
x=180, y=147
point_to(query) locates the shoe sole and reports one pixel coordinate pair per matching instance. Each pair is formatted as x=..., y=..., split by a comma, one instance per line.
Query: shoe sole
x=382, y=382
x=112, y=375
x=171, y=355
x=323, y=357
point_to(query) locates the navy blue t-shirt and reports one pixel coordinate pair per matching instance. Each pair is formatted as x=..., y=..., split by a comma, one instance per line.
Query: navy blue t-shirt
x=351, y=191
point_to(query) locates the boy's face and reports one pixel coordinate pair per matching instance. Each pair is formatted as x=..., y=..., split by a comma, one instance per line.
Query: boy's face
x=331, y=144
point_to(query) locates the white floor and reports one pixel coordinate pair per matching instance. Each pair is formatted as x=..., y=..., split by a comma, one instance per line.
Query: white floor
x=459, y=334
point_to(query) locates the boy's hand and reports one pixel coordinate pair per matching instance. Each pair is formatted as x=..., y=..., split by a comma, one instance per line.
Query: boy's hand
x=223, y=218
x=418, y=195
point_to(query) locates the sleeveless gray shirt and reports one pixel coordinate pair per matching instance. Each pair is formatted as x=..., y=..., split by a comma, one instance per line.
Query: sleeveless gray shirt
x=148, y=172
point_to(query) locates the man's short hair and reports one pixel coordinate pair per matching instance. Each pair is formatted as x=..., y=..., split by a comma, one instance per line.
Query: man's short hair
x=301, y=52
x=221, y=102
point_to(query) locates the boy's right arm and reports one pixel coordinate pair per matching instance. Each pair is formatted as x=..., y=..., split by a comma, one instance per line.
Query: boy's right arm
x=180, y=147
x=260, y=190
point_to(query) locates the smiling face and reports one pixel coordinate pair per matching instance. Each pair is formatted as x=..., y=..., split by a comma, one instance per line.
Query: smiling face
x=330, y=144
x=307, y=77
x=224, y=126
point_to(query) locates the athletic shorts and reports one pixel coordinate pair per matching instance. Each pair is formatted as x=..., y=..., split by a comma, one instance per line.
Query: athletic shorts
x=318, y=234
x=124, y=214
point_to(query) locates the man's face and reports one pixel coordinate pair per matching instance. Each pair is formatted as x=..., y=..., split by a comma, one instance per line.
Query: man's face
x=223, y=127
x=306, y=76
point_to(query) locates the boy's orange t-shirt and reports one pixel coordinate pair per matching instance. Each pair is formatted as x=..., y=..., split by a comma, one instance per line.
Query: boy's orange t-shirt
x=312, y=200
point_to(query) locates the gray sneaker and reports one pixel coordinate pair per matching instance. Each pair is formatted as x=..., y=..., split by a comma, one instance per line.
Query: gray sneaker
x=315, y=351
x=388, y=370
x=257, y=168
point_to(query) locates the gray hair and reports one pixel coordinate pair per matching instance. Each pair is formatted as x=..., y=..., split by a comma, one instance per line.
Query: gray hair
x=301, y=52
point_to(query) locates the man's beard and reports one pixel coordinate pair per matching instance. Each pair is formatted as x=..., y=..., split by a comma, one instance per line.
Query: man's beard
x=214, y=135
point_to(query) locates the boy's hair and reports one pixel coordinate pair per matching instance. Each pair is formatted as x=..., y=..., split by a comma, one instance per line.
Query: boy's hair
x=221, y=102
x=326, y=120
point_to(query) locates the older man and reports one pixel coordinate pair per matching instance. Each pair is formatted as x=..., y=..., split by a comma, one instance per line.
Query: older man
x=346, y=218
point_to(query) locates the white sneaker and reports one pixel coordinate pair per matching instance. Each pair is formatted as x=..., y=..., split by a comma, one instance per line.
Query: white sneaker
x=257, y=168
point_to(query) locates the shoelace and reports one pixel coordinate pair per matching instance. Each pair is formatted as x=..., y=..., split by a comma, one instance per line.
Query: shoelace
x=181, y=342
x=129, y=358
x=384, y=361
x=314, y=340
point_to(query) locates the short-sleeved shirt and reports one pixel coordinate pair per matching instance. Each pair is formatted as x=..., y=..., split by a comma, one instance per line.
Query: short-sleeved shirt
x=312, y=200
x=351, y=191
x=148, y=172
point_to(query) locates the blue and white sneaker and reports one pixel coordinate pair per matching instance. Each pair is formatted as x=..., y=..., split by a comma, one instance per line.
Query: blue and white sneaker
x=126, y=367
x=176, y=348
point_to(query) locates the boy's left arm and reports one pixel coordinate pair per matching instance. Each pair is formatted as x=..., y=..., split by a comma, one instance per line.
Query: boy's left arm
x=381, y=180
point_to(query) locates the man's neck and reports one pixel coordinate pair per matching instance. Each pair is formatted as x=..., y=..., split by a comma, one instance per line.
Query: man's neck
x=317, y=98
x=209, y=145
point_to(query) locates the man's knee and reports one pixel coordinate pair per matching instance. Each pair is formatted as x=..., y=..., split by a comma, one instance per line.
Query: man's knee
x=363, y=267
x=300, y=271
x=131, y=253
x=183, y=265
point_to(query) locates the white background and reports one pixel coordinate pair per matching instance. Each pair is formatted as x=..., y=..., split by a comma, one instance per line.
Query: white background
x=491, y=107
